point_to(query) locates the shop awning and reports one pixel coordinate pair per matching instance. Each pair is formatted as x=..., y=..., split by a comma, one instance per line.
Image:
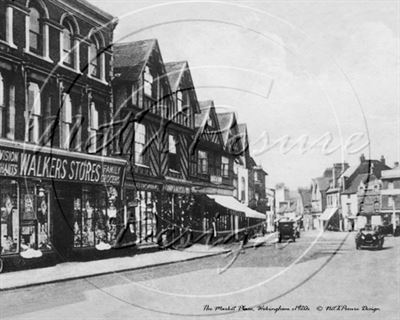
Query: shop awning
x=231, y=203
x=328, y=213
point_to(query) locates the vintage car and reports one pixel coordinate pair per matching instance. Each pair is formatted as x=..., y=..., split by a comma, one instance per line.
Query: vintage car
x=369, y=237
x=288, y=230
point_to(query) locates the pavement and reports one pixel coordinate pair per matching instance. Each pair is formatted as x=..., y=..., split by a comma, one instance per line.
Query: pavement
x=76, y=270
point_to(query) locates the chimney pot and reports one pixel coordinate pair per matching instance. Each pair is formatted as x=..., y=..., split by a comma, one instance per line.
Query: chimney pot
x=396, y=164
x=383, y=161
x=362, y=157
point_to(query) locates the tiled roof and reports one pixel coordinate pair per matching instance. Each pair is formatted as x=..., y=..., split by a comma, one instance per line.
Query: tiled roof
x=174, y=71
x=355, y=183
x=130, y=58
x=323, y=183
x=226, y=122
x=305, y=195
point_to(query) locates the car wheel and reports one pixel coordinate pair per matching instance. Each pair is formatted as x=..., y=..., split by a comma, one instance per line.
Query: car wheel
x=294, y=239
x=357, y=246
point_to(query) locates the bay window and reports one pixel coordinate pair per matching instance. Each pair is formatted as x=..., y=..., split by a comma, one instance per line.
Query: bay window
x=93, y=128
x=140, y=140
x=33, y=114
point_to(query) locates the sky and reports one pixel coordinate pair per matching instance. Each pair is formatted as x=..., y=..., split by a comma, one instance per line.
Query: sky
x=317, y=82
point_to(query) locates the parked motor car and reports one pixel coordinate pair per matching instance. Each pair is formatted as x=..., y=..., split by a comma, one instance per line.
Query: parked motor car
x=369, y=237
x=287, y=230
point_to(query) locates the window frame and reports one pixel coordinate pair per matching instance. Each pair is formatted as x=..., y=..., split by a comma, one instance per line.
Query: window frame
x=34, y=113
x=94, y=59
x=139, y=143
x=66, y=122
x=38, y=34
x=93, y=127
x=225, y=166
x=148, y=83
x=68, y=56
x=173, y=159
x=202, y=158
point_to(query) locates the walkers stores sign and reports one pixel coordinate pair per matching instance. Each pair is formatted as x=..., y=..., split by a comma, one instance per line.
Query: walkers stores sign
x=16, y=162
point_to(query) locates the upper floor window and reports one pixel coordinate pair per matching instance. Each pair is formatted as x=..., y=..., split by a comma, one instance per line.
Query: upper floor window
x=67, y=45
x=2, y=106
x=35, y=31
x=95, y=59
x=203, y=162
x=34, y=113
x=256, y=176
x=66, y=122
x=148, y=82
x=173, y=161
x=140, y=140
x=93, y=128
x=3, y=24
x=7, y=109
x=179, y=101
x=225, y=166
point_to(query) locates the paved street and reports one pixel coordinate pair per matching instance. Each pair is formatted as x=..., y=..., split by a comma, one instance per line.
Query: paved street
x=312, y=272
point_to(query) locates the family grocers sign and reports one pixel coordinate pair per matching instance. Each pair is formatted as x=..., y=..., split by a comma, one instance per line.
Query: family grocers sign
x=16, y=162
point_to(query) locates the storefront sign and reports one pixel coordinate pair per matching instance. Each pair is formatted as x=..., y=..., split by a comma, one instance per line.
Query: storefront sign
x=216, y=179
x=177, y=189
x=147, y=186
x=26, y=163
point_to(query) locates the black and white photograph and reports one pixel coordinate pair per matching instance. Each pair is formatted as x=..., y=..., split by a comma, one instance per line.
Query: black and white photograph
x=200, y=159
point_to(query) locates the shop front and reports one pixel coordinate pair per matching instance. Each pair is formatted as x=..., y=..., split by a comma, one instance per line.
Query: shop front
x=142, y=211
x=55, y=205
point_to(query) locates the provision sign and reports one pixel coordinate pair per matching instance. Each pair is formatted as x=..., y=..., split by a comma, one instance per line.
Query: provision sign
x=26, y=163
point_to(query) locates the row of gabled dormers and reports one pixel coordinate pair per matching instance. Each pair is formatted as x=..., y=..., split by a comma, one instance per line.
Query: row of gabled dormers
x=154, y=91
x=143, y=81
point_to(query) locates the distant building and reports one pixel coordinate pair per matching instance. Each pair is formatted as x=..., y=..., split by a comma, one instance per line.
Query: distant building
x=390, y=196
x=350, y=182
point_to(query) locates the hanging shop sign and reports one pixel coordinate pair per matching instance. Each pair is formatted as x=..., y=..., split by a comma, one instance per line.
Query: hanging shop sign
x=15, y=162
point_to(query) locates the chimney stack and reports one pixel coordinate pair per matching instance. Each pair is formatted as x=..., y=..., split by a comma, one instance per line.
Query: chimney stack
x=383, y=161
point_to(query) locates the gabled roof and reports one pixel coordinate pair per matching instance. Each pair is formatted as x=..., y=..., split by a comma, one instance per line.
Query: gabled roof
x=130, y=58
x=323, y=183
x=305, y=195
x=367, y=165
x=355, y=183
x=227, y=121
x=207, y=111
x=175, y=72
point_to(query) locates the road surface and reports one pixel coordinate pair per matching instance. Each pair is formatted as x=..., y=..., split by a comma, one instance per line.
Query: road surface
x=314, y=278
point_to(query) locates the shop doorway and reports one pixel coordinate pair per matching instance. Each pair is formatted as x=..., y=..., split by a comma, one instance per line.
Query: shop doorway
x=62, y=207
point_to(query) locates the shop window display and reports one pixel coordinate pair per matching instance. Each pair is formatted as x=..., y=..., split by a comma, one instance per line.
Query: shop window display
x=145, y=217
x=34, y=218
x=96, y=217
x=9, y=217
